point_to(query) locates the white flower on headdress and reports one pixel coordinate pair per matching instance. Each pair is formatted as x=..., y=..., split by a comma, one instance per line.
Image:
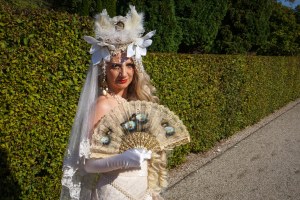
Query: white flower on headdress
x=139, y=47
x=99, y=49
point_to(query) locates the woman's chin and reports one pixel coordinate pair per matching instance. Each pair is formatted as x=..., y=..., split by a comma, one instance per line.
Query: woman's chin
x=119, y=87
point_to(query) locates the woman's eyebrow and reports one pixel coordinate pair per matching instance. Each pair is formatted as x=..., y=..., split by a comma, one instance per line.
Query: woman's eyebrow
x=114, y=63
x=118, y=63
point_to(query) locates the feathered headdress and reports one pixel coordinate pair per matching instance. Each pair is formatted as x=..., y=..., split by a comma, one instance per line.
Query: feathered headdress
x=119, y=34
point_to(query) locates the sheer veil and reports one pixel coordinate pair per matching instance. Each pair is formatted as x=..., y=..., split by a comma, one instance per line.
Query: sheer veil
x=75, y=184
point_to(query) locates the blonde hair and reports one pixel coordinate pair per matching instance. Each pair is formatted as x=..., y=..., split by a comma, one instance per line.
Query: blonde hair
x=157, y=172
x=141, y=88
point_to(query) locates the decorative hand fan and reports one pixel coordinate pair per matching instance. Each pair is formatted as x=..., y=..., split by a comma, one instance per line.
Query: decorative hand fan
x=137, y=124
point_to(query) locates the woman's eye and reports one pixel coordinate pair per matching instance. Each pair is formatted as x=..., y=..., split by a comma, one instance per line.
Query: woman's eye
x=115, y=66
x=130, y=65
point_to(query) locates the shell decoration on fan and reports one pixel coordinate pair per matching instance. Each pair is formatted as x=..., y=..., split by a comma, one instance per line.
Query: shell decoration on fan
x=137, y=124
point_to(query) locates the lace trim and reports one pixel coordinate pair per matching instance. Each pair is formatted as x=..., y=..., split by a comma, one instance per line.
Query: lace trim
x=72, y=176
x=84, y=148
x=74, y=187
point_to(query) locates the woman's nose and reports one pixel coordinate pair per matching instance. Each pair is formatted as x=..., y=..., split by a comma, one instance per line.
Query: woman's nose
x=123, y=71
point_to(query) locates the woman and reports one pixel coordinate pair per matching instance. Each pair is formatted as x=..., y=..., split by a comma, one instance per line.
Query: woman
x=115, y=76
x=124, y=176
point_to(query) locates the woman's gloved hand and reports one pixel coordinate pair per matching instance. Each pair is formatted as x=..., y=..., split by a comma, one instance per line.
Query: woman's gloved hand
x=131, y=158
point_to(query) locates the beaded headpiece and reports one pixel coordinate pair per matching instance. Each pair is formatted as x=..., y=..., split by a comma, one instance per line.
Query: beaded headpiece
x=120, y=34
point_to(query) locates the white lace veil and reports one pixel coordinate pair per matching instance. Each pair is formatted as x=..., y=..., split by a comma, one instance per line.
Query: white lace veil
x=113, y=35
x=75, y=184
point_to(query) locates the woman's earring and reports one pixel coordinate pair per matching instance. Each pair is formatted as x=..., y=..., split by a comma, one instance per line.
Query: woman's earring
x=105, y=91
x=104, y=88
x=104, y=83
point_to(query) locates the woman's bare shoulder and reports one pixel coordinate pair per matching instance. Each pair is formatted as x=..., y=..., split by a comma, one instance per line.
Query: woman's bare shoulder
x=103, y=105
x=103, y=102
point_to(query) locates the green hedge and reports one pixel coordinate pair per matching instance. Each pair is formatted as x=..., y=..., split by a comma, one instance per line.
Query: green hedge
x=217, y=95
x=43, y=65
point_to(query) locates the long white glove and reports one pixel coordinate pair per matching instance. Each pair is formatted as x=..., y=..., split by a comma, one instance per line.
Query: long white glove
x=131, y=158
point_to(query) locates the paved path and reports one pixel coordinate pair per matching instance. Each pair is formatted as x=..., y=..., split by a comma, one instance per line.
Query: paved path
x=260, y=163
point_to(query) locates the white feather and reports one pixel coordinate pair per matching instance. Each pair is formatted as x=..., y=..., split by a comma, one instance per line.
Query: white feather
x=106, y=31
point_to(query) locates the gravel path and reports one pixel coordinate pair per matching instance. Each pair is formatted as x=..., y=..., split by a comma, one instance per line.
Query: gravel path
x=260, y=162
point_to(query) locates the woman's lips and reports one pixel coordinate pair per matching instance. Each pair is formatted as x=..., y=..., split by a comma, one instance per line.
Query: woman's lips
x=122, y=81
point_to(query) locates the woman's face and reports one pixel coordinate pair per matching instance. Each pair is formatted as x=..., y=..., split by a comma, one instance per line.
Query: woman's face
x=119, y=72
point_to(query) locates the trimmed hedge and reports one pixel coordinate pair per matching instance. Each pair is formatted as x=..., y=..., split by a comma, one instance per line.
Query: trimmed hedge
x=43, y=65
x=217, y=95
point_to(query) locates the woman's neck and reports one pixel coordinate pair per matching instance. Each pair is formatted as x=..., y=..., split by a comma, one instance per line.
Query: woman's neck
x=121, y=93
